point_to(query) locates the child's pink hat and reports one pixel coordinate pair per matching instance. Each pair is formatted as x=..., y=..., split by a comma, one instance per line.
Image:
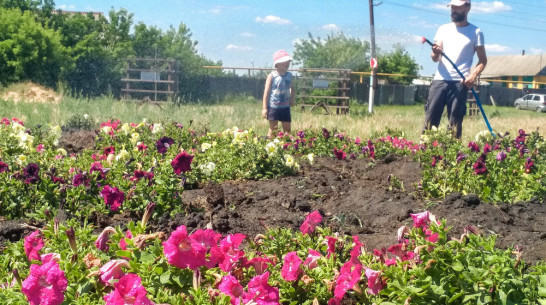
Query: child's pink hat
x=281, y=56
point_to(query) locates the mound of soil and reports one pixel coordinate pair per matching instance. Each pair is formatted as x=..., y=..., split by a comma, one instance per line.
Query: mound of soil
x=355, y=197
x=32, y=93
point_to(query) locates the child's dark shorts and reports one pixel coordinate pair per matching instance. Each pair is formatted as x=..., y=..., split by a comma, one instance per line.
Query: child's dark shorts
x=279, y=114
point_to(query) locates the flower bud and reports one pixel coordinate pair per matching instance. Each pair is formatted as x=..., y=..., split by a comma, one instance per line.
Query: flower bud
x=148, y=213
x=71, y=234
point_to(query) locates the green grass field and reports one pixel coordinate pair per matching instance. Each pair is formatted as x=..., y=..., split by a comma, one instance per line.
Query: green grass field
x=244, y=112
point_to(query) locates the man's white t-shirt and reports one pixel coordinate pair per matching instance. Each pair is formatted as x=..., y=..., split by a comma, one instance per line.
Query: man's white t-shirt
x=459, y=44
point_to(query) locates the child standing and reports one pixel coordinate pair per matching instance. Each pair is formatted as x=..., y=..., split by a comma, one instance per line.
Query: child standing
x=279, y=94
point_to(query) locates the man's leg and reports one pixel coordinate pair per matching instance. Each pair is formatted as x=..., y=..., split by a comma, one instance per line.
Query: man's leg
x=434, y=106
x=456, y=107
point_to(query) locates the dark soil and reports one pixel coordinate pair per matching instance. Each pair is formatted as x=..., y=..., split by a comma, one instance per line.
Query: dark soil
x=355, y=197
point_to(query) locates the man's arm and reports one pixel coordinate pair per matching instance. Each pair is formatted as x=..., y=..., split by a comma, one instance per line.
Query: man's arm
x=482, y=62
x=437, y=48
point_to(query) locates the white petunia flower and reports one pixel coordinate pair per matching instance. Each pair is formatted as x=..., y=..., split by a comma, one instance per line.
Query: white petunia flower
x=289, y=161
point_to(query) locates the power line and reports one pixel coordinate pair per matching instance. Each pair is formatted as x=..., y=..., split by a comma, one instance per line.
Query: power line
x=476, y=19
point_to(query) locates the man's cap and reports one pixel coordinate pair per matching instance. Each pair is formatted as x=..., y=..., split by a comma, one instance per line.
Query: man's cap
x=281, y=56
x=458, y=2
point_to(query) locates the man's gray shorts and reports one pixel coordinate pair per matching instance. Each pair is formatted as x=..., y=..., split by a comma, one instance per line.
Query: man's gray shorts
x=453, y=96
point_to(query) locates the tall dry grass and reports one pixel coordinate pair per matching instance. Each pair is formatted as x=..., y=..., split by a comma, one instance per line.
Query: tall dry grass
x=244, y=112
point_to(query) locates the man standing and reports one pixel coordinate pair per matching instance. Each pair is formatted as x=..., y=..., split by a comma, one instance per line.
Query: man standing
x=459, y=40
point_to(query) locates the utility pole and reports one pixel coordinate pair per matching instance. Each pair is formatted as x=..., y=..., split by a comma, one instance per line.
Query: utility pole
x=373, y=77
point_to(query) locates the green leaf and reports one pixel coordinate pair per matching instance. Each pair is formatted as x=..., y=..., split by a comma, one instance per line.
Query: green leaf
x=455, y=297
x=165, y=278
x=458, y=266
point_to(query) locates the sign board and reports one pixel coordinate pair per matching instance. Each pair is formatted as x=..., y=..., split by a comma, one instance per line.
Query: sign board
x=149, y=75
x=373, y=63
x=320, y=83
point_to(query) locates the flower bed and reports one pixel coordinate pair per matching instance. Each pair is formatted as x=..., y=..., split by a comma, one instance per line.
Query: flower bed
x=130, y=160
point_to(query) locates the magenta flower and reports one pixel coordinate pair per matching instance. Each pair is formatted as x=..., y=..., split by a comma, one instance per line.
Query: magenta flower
x=347, y=279
x=3, y=167
x=331, y=245
x=80, y=179
x=422, y=220
x=460, y=157
x=31, y=173
x=435, y=160
x=142, y=147
x=501, y=156
x=312, y=259
x=182, y=163
x=375, y=283
x=325, y=133
x=340, y=154
x=473, y=147
x=291, y=268
x=260, y=292
x=487, y=148
x=102, y=240
x=529, y=164
x=163, y=144
x=259, y=263
x=230, y=286
x=112, y=271
x=301, y=134
x=183, y=251
x=122, y=242
x=45, y=285
x=230, y=254
x=479, y=166
x=128, y=290
x=48, y=257
x=311, y=222
x=113, y=197
x=97, y=167
x=110, y=150
x=33, y=244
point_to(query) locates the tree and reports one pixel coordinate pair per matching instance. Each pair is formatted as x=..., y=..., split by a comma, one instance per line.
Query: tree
x=335, y=52
x=28, y=51
x=398, y=62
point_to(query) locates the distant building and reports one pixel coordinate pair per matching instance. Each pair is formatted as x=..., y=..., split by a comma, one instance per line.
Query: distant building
x=96, y=15
x=516, y=71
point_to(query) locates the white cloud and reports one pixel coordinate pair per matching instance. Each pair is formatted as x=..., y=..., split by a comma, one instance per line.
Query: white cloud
x=330, y=27
x=273, y=20
x=233, y=47
x=216, y=10
x=490, y=7
x=67, y=7
x=536, y=51
x=496, y=48
x=484, y=7
x=247, y=34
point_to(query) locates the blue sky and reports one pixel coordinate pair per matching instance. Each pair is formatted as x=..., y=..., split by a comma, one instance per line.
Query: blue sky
x=245, y=33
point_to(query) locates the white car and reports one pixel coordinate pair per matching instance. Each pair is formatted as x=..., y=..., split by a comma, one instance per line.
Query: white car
x=536, y=102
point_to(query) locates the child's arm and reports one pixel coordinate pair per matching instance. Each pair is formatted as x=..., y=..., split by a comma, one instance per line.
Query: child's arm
x=292, y=95
x=265, y=99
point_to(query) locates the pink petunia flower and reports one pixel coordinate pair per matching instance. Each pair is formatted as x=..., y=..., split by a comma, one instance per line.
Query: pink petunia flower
x=128, y=290
x=259, y=263
x=102, y=240
x=291, y=268
x=311, y=222
x=112, y=271
x=331, y=241
x=113, y=197
x=48, y=257
x=122, y=242
x=182, y=163
x=312, y=259
x=183, y=251
x=40, y=148
x=375, y=283
x=45, y=285
x=422, y=220
x=229, y=253
x=33, y=244
x=347, y=279
x=231, y=287
x=260, y=292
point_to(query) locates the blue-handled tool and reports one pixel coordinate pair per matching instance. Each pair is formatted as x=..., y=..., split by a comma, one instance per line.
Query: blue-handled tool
x=472, y=88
